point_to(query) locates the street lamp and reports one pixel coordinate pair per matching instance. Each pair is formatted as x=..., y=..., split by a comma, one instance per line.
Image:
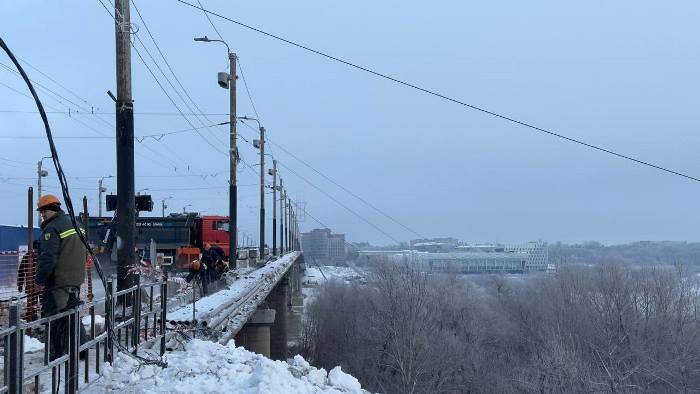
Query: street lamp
x=101, y=189
x=260, y=144
x=228, y=81
x=184, y=209
x=41, y=173
x=162, y=203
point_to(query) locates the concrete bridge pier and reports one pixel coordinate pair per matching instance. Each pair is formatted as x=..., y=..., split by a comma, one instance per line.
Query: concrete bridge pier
x=277, y=300
x=255, y=335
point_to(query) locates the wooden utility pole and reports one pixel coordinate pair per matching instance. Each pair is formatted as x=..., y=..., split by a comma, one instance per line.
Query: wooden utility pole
x=126, y=209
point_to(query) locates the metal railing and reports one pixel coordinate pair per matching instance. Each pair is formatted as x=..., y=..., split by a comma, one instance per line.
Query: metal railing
x=126, y=329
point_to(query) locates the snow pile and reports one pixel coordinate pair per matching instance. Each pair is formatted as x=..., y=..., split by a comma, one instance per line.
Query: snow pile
x=32, y=345
x=208, y=367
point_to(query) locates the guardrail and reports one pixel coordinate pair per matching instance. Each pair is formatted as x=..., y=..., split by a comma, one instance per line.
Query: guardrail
x=126, y=329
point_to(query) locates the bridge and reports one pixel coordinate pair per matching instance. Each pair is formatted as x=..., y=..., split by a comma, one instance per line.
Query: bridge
x=252, y=307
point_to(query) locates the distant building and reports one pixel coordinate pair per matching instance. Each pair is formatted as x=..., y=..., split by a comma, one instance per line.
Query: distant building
x=473, y=259
x=322, y=247
x=434, y=245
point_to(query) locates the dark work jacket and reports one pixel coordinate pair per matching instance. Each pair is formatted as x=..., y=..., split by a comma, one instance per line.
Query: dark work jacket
x=61, y=262
x=212, y=256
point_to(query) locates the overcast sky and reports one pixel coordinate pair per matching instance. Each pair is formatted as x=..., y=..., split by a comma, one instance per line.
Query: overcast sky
x=622, y=74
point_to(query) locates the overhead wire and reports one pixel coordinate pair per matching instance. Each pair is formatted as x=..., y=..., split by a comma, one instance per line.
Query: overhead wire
x=350, y=192
x=165, y=60
x=319, y=189
x=448, y=98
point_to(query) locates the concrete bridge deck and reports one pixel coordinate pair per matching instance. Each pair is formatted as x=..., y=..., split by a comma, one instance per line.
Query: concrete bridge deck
x=248, y=301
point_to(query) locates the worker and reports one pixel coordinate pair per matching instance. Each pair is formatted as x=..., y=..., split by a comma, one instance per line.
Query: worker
x=60, y=269
x=212, y=256
x=199, y=271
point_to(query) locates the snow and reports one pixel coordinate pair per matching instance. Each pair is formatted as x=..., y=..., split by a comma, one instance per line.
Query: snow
x=209, y=306
x=209, y=367
x=340, y=379
x=315, y=276
x=99, y=321
x=32, y=345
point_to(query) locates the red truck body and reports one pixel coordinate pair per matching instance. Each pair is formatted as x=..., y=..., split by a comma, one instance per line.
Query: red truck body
x=179, y=238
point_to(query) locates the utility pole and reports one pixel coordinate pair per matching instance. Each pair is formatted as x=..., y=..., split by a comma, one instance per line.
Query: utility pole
x=262, y=192
x=101, y=189
x=282, y=243
x=274, y=207
x=126, y=210
x=233, y=156
x=163, y=206
x=286, y=222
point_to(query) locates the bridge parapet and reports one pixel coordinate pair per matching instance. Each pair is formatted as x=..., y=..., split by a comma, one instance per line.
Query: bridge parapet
x=228, y=310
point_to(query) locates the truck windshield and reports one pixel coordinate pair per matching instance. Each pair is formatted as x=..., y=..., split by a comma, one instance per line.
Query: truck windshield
x=223, y=226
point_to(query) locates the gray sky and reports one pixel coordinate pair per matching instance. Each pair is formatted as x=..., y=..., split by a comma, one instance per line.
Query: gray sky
x=620, y=74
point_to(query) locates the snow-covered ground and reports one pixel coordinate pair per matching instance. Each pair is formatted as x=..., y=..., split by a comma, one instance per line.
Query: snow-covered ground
x=315, y=276
x=208, y=367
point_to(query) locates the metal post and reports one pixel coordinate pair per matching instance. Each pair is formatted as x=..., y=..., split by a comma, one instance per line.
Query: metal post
x=29, y=273
x=136, y=313
x=233, y=158
x=262, y=193
x=274, y=207
x=163, y=311
x=109, y=321
x=72, y=372
x=126, y=212
x=282, y=243
x=15, y=349
x=38, y=188
x=99, y=188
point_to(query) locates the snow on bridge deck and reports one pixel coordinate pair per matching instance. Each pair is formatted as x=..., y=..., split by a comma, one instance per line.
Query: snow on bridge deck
x=239, y=301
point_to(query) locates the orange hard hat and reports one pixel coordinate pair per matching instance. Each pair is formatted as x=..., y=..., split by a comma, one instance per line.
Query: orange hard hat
x=47, y=200
x=195, y=265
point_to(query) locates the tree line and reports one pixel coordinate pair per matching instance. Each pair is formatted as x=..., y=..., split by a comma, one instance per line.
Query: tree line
x=604, y=329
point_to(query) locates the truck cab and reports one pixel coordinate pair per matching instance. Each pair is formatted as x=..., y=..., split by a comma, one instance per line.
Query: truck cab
x=214, y=230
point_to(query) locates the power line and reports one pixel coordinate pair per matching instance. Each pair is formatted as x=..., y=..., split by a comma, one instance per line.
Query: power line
x=165, y=60
x=168, y=95
x=447, y=98
x=138, y=53
x=112, y=113
x=340, y=203
x=56, y=94
x=347, y=190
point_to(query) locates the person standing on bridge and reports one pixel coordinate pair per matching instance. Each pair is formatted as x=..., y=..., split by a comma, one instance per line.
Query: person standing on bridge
x=199, y=271
x=212, y=256
x=60, y=269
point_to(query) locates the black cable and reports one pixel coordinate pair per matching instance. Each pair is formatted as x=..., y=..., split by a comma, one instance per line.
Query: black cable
x=66, y=194
x=447, y=98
